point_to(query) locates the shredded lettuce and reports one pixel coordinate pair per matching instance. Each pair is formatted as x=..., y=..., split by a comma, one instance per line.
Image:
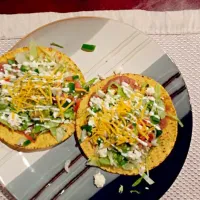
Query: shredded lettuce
x=58, y=133
x=3, y=106
x=176, y=118
x=87, y=85
x=157, y=91
x=148, y=179
x=138, y=181
x=121, y=189
x=93, y=162
x=33, y=49
x=21, y=57
x=69, y=113
x=119, y=89
x=104, y=161
x=135, y=191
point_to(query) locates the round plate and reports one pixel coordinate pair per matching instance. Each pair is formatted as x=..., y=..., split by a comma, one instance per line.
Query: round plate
x=117, y=45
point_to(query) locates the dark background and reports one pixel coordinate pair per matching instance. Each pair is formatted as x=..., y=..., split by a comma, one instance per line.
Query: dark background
x=31, y=6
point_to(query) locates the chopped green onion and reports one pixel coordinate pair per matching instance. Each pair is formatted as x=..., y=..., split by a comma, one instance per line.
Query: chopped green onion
x=86, y=127
x=134, y=124
x=56, y=45
x=37, y=71
x=177, y=119
x=65, y=104
x=24, y=68
x=71, y=87
x=88, y=47
x=135, y=191
x=121, y=189
x=99, y=141
x=138, y=181
x=75, y=77
x=10, y=62
x=154, y=120
x=26, y=143
x=95, y=110
x=158, y=133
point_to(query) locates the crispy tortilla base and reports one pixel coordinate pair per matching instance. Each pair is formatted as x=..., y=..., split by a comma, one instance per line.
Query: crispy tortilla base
x=166, y=141
x=46, y=140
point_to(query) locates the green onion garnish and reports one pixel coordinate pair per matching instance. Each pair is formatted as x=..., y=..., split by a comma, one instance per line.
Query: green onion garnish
x=158, y=133
x=154, y=120
x=23, y=68
x=65, y=104
x=75, y=77
x=56, y=45
x=26, y=143
x=88, y=128
x=37, y=71
x=88, y=47
x=71, y=87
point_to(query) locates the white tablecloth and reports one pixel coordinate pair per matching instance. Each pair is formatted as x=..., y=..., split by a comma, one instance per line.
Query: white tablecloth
x=178, y=33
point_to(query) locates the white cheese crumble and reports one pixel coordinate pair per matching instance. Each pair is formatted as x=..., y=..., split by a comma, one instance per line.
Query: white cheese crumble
x=83, y=135
x=99, y=180
x=55, y=114
x=100, y=93
x=14, y=120
x=150, y=91
x=96, y=101
x=103, y=152
x=91, y=112
x=65, y=89
x=136, y=155
x=21, y=141
x=91, y=122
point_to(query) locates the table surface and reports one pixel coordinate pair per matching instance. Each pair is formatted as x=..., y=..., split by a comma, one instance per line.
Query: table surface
x=24, y=6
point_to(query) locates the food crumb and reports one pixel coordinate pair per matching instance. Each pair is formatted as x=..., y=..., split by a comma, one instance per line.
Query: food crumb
x=67, y=163
x=99, y=180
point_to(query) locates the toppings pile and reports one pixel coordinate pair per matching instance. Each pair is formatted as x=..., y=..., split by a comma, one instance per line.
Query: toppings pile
x=123, y=123
x=39, y=92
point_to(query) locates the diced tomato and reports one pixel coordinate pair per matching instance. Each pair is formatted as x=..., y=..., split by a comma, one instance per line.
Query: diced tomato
x=78, y=85
x=119, y=79
x=140, y=146
x=7, y=79
x=151, y=137
x=77, y=104
x=149, y=144
x=69, y=78
x=163, y=123
x=28, y=137
x=1, y=68
x=130, y=126
x=142, y=137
